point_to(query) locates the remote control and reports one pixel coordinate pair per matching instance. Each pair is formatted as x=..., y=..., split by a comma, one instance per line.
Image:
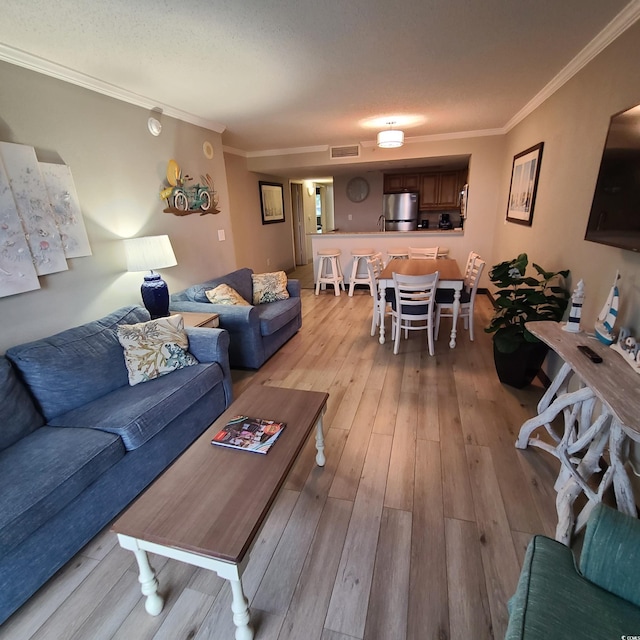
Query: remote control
x=590, y=353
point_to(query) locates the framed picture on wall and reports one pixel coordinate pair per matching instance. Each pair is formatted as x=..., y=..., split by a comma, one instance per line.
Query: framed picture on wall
x=524, y=184
x=271, y=202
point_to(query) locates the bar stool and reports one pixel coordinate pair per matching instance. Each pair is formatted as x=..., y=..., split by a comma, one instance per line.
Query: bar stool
x=329, y=270
x=358, y=255
x=402, y=253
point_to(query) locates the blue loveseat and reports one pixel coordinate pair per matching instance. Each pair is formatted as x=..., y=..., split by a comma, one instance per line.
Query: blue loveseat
x=77, y=443
x=256, y=332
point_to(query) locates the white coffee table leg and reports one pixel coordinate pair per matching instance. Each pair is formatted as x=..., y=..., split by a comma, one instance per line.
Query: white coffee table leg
x=149, y=583
x=240, y=608
x=320, y=459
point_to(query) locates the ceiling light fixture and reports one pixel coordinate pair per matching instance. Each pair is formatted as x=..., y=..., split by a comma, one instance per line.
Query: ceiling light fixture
x=390, y=138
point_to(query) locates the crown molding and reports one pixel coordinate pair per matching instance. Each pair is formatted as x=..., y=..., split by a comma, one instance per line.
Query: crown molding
x=439, y=137
x=366, y=143
x=625, y=19
x=234, y=151
x=40, y=65
x=287, y=152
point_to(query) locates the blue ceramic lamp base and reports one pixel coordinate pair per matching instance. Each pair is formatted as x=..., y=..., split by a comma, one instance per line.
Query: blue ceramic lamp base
x=155, y=295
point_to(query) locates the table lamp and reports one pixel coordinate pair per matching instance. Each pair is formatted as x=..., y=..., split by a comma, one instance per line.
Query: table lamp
x=149, y=253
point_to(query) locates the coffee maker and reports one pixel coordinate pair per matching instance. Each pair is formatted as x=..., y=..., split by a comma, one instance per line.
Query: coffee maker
x=445, y=221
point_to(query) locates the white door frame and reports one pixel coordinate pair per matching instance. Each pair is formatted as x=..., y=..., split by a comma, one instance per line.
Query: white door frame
x=299, y=232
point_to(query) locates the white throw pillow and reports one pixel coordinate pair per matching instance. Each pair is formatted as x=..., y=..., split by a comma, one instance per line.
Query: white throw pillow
x=224, y=294
x=154, y=348
x=269, y=287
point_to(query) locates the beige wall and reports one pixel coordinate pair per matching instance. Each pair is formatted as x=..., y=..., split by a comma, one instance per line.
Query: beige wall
x=119, y=169
x=365, y=214
x=573, y=125
x=260, y=247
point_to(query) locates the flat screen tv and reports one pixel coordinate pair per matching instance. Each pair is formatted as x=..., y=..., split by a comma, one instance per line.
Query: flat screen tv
x=615, y=211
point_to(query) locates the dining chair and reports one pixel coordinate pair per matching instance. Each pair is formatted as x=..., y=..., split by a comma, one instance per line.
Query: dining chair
x=444, y=298
x=374, y=268
x=427, y=253
x=470, y=258
x=413, y=302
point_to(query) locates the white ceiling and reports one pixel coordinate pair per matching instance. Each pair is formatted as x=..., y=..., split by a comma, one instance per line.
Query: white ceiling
x=281, y=74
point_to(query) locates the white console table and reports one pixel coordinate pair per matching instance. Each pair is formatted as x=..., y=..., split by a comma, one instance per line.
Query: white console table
x=600, y=416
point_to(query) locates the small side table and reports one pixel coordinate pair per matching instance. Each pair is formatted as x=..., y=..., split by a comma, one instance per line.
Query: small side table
x=196, y=319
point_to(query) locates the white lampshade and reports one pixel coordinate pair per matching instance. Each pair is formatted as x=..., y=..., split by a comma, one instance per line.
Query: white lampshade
x=148, y=253
x=390, y=138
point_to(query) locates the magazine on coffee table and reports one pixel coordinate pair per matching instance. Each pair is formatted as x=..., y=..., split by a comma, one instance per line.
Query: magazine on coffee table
x=250, y=434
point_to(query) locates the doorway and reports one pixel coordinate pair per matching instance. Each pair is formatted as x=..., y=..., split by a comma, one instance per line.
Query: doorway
x=299, y=233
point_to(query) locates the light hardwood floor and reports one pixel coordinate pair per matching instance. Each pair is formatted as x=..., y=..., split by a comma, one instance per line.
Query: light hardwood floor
x=415, y=528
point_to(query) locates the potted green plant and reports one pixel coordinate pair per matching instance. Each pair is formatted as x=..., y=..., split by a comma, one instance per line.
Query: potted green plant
x=518, y=354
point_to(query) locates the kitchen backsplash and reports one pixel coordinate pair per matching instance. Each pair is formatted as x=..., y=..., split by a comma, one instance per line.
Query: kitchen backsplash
x=433, y=218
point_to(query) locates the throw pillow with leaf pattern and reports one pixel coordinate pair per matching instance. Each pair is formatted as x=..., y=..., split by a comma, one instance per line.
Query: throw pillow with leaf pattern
x=154, y=348
x=269, y=287
x=224, y=294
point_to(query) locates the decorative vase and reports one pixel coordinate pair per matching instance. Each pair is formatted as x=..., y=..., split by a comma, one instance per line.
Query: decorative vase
x=155, y=296
x=518, y=369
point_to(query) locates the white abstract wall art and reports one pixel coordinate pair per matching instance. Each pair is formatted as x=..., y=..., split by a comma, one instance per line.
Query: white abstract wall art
x=34, y=209
x=66, y=209
x=17, y=271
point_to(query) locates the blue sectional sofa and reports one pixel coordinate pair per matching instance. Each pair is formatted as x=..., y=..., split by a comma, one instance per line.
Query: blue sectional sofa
x=256, y=332
x=77, y=443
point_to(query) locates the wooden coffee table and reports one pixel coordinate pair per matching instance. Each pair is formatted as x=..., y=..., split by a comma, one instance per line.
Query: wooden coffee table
x=207, y=507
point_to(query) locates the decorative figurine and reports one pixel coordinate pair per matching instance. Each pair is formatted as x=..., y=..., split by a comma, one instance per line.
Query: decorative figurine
x=184, y=200
x=608, y=315
x=575, y=313
x=629, y=348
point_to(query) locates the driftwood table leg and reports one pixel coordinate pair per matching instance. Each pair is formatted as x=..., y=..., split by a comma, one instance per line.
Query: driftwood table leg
x=618, y=445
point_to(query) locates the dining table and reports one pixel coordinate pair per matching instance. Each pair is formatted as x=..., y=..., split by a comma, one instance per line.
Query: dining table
x=450, y=277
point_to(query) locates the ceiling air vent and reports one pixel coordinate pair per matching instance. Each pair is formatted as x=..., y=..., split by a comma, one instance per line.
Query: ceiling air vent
x=350, y=151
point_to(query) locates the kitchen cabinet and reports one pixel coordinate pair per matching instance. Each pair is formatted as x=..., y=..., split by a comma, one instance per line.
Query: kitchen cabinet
x=449, y=189
x=400, y=182
x=439, y=190
x=429, y=188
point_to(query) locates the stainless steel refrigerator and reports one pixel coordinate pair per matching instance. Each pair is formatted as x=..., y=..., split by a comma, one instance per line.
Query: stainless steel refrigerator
x=400, y=211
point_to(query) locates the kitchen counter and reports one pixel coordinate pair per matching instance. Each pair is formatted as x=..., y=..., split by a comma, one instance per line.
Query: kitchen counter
x=383, y=241
x=397, y=234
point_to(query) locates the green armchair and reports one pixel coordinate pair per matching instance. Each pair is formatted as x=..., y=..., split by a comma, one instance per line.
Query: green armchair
x=599, y=601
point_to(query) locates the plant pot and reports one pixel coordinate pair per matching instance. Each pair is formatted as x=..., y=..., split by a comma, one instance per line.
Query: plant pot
x=518, y=369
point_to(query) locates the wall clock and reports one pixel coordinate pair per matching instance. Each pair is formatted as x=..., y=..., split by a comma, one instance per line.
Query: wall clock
x=357, y=189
